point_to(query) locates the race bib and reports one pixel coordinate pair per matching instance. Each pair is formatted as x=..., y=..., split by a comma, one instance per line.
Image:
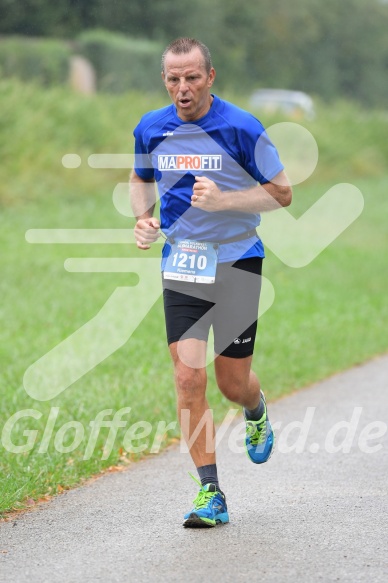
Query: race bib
x=194, y=261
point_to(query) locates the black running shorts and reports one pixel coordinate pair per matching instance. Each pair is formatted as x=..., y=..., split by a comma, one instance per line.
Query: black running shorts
x=230, y=305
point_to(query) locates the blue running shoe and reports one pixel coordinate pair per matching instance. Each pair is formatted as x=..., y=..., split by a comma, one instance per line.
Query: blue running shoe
x=259, y=438
x=209, y=508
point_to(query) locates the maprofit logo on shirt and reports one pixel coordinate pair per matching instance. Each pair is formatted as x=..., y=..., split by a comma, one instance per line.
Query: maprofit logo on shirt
x=193, y=162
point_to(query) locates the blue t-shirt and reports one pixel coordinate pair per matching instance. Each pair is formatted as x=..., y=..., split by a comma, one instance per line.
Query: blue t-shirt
x=230, y=147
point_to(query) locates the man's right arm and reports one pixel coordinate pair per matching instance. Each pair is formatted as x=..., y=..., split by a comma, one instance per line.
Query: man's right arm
x=143, y=198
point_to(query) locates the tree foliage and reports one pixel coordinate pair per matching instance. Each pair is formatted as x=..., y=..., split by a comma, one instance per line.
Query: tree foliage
x=332, y=48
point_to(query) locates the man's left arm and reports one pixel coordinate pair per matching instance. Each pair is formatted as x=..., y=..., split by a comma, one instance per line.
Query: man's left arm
x=261, y=198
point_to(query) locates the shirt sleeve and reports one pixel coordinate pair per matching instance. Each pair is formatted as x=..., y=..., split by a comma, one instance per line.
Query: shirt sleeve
x=143, y=166
x=260, y=157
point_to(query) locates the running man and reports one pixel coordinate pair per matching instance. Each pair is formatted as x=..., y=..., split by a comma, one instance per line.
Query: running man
x=216, y=171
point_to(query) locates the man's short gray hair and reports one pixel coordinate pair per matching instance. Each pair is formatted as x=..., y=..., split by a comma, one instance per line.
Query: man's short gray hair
x=185, y=45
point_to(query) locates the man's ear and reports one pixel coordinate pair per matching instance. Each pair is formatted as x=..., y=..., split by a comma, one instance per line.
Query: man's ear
x=212, y=76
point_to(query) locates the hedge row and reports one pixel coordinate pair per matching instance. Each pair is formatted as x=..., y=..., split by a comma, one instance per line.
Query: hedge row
x=121, y=63
x=44, y=60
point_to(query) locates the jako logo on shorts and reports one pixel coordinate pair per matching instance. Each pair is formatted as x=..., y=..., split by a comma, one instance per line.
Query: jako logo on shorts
x=195, y=162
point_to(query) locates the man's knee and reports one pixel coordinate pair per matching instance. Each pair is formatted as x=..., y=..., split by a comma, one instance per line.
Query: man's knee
x=233, y=388
x=190, y=382
x=234, y=378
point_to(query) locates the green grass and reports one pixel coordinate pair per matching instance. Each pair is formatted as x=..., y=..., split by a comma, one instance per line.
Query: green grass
x=326, y=317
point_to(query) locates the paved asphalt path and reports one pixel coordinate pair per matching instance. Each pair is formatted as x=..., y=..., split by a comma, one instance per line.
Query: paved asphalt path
x=316, y=515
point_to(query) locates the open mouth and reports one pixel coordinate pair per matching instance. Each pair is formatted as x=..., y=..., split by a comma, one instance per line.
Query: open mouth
x=185, y=101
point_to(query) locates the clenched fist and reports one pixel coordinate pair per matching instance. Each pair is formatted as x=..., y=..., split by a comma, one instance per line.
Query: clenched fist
x=146, y=232
x=206, y=195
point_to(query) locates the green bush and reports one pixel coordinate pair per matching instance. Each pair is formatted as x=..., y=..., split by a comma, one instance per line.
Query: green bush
x=43, y=60
x=121, y=63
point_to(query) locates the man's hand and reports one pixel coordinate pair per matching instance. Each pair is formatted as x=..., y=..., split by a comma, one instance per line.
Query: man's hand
x=206, y=195
x=146, y=232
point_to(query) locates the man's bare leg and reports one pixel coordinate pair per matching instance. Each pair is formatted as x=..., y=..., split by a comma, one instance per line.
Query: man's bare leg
x=237, y=381
x=240, y=385
x=195, y=417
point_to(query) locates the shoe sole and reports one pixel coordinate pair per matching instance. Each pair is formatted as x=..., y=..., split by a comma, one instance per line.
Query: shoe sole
x=195, y=521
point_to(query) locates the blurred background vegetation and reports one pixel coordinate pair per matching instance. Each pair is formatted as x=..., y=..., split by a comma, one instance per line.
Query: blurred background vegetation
x=331, y=49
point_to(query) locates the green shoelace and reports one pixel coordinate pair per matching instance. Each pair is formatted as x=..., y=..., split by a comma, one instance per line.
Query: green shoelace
x=256, y=430
x=203, y=497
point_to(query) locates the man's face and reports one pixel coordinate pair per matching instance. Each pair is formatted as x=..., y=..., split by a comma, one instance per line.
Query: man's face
x=188, y=84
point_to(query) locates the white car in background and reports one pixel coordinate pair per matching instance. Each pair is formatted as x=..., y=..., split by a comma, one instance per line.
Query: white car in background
x=296, y=104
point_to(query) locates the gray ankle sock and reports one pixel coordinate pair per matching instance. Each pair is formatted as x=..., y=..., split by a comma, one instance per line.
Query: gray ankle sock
x=208, y=475
x=255, y=414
